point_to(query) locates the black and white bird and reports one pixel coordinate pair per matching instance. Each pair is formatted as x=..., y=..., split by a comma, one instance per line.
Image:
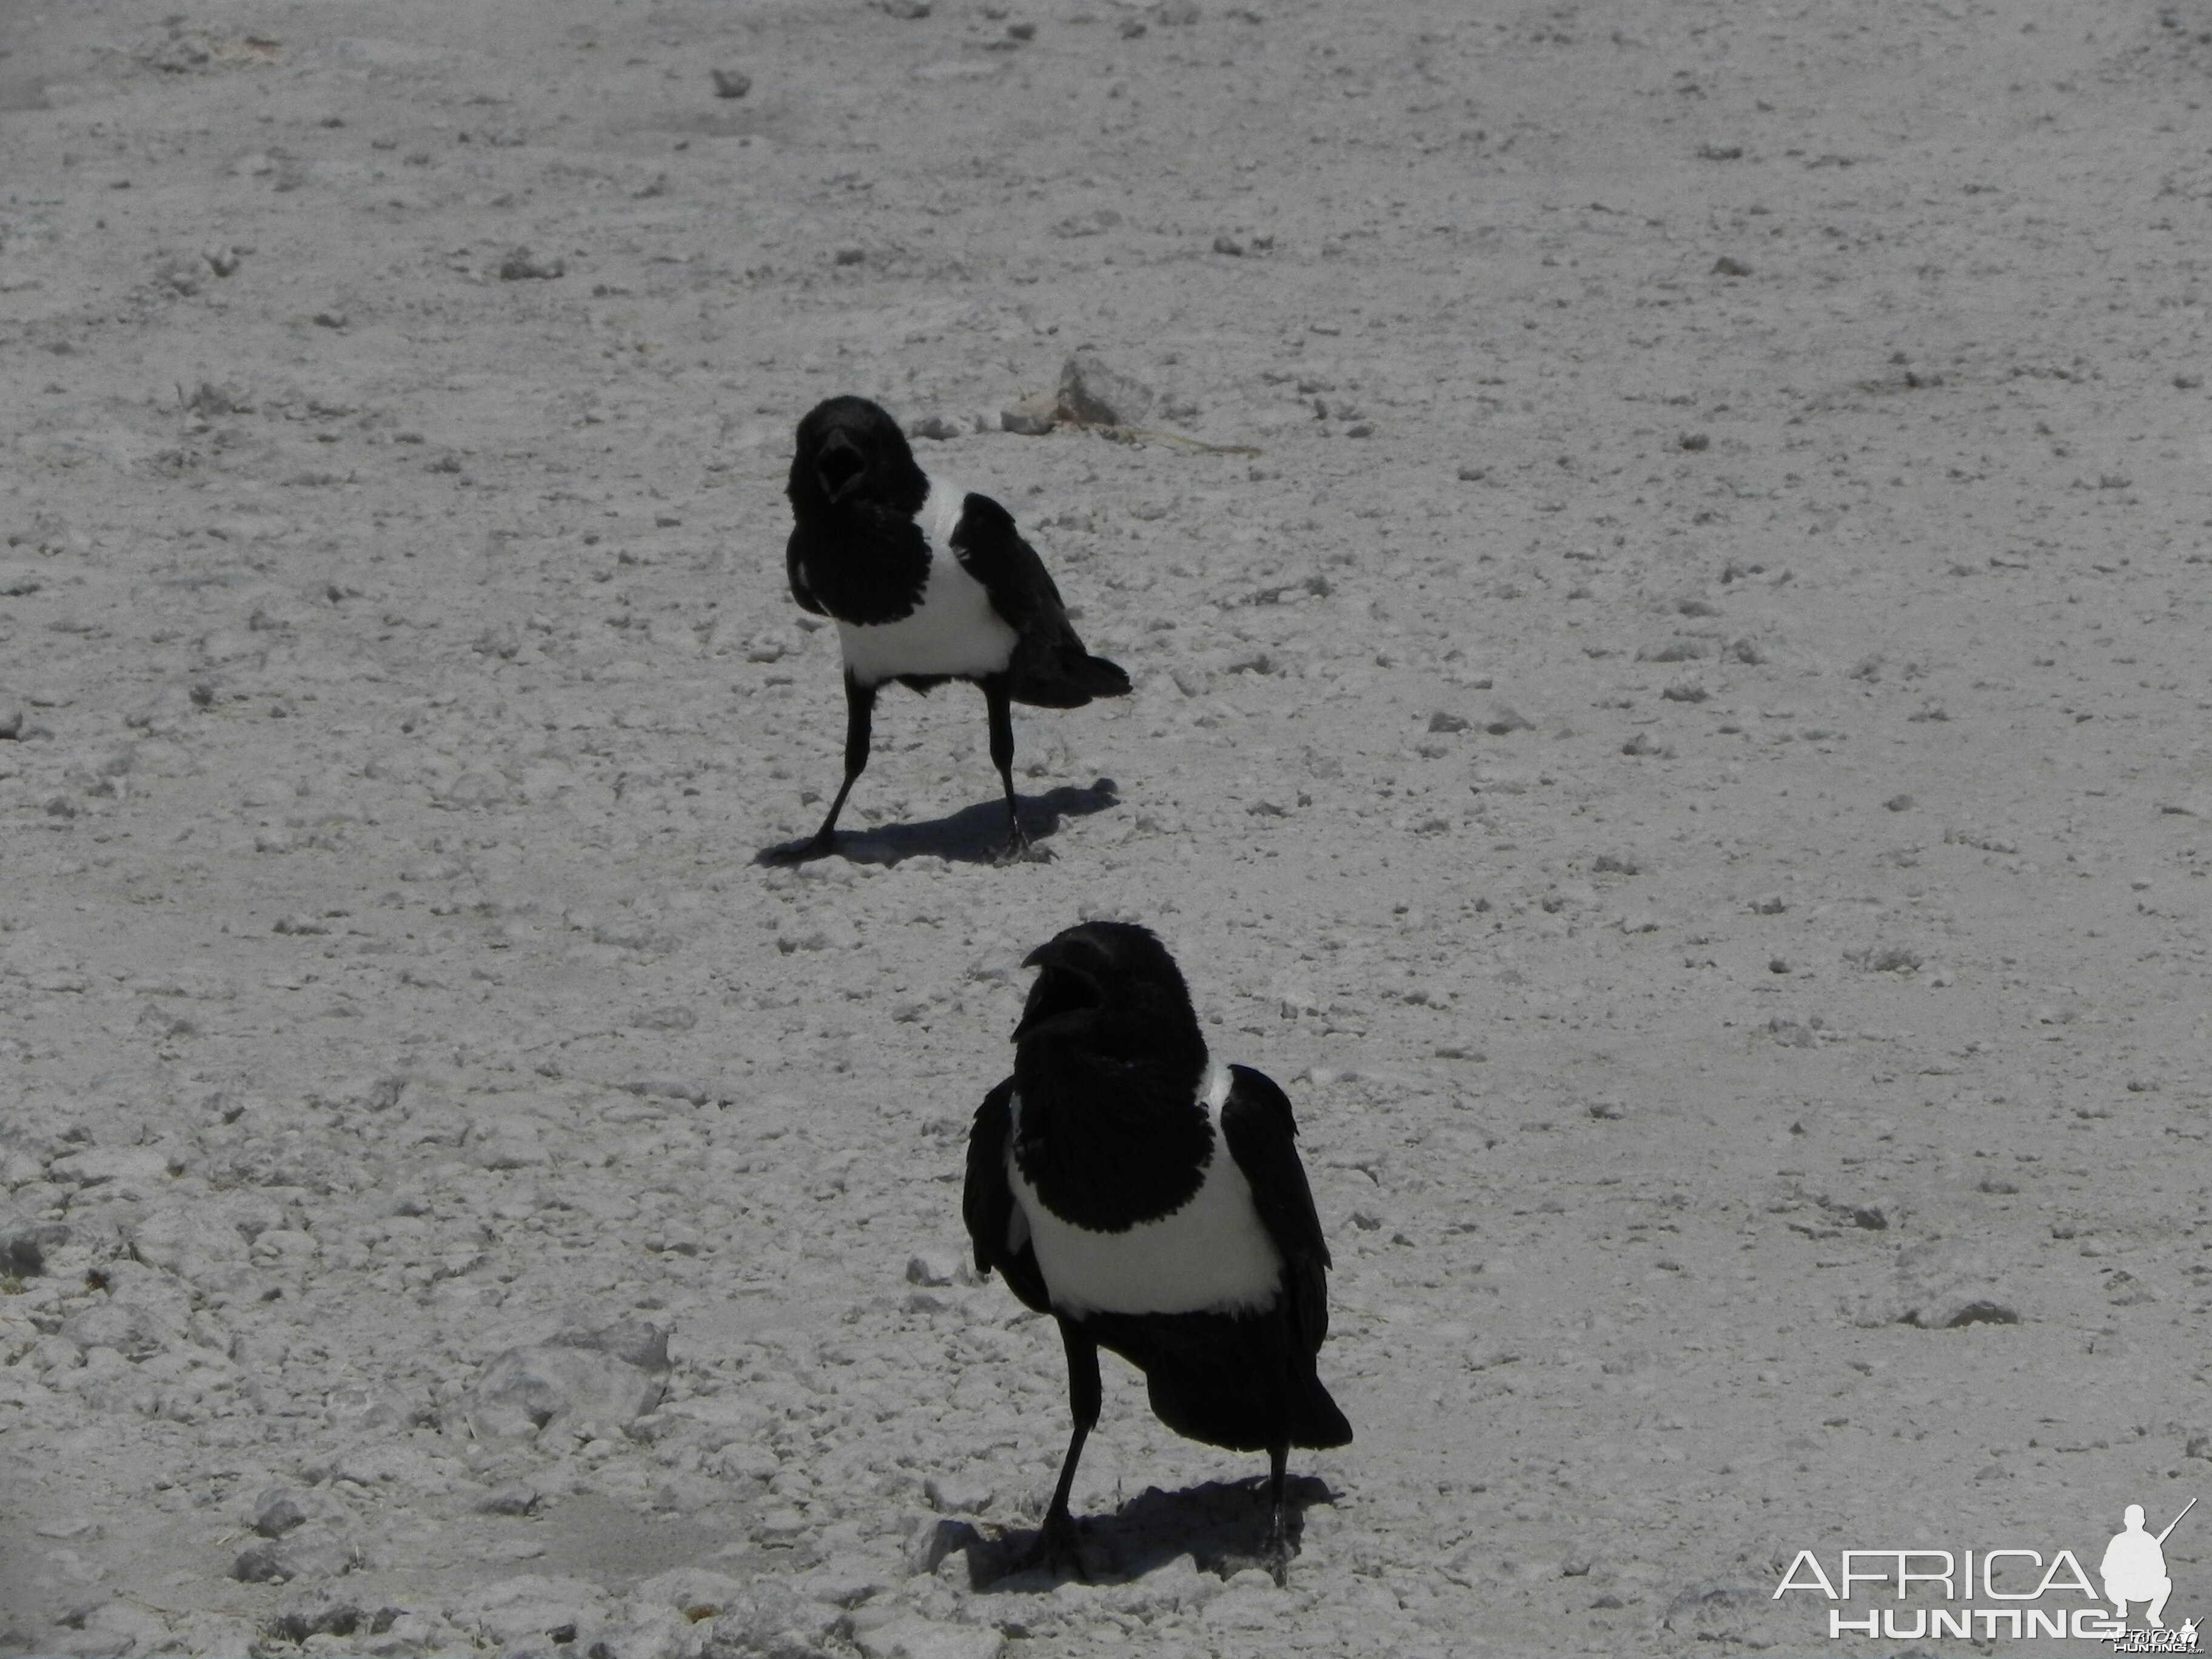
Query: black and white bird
x=1152, y=1201
x=927, y=582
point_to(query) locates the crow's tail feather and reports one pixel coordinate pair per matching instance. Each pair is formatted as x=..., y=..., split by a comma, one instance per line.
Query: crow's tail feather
x=1067, y=678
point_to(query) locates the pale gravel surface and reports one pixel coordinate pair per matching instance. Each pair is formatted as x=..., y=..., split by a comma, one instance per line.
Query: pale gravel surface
x=1693, y=775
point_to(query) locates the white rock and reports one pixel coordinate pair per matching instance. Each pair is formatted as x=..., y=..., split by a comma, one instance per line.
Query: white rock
x=126, y=1627
x=771, y=1618
x=617, y=1379
x=131, y=1171
x=914, y=1637
x=129, y=1329
x=194, y=1241
x=644, y=1634
x=688, y=1589
x=957, y=1494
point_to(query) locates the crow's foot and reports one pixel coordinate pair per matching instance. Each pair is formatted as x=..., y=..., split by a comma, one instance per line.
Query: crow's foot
x=1276, y=1558
x=1020, y=849
x=1056, y=1549
x=817, y=846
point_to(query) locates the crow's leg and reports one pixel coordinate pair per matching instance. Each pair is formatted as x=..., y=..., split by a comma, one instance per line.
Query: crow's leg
x=1277, y=1557
x=859, y=716
x=1055, y=1545
x=999, y=705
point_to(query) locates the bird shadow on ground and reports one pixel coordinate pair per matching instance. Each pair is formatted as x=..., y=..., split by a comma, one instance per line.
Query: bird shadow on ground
x=974, y=834
x=1221, y=1525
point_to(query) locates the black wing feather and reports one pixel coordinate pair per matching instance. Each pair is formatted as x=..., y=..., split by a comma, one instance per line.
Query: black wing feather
x=987, y=1203
x=797, y=572
x=1262, y=1133
x=1050, y=668
x=992, y=550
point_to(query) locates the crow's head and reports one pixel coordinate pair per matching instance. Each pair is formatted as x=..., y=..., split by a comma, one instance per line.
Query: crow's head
x=1111, y=986
x=851, y=452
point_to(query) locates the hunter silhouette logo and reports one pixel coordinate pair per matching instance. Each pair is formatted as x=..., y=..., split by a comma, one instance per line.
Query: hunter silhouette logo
x=1980, y=1595
x=2134, y=1567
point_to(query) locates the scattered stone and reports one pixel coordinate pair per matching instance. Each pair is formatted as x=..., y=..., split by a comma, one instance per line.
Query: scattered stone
x=24, y=1244
x=1726, y=266
x=937, y=1539
x=915, y=1637
x=1686, y=691
x=730, y=83
x=935, y=1267
x=1032, y=417
x=279, y=1509
x=611, y=1377
x=182, y=273
x=1899, y=803
x=939, y=429
x=1948, y=1282
x=1443, y=720
x=520, y=264
x=1694, y=441
x=1885, y=958
x=773, y=1618
x=1505, y=720
x=905, y=10
x=767, y=648
x=200, y=1243
x=130, y=1331
x=1092, y=393
x=668, y=1088
x=124, y=1627
x=307, y=1551
x=1715, y=1611
x=529, y=1609
x=955, y=1494
x=1093, y=223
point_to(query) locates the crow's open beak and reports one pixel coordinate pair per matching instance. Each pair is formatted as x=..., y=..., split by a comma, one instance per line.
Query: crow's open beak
x=1062, y=997
x=840, y=465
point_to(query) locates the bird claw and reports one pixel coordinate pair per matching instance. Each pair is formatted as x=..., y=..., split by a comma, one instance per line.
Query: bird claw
x=1056, y=1548
x=1276, y=1559
x=802, y=851
x=1022, y=850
